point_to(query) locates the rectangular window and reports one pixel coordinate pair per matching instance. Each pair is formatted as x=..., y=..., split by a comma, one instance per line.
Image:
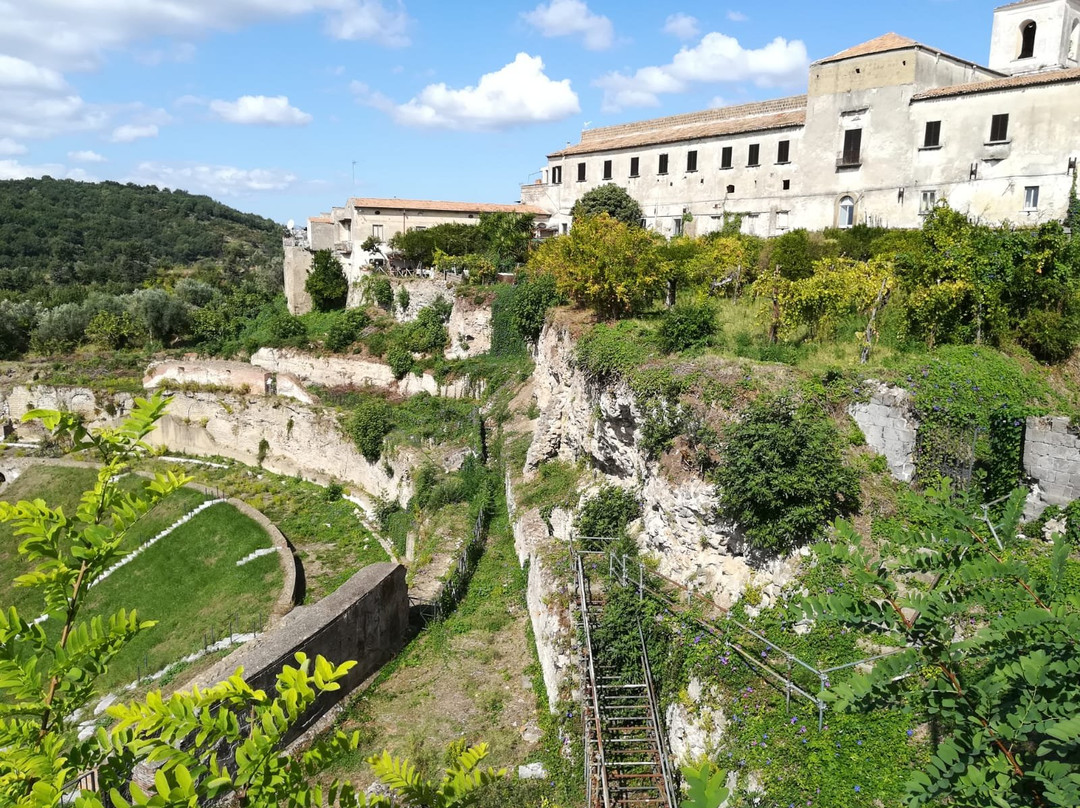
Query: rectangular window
x=677, y=225
x=635, y=163
x=783, y=151
x=1031, y=197
x=787, y=185
x=581, y=172
x=932, y=138
x=556, y=175
x=663, y=164
x=607, y=169
x=781, y=220
x=726, y=157
x=753, y=154
x=691, y=161
x=376, y=232
x=565, y=228
x=928, y=201
x=999, y=128
x=852, y=155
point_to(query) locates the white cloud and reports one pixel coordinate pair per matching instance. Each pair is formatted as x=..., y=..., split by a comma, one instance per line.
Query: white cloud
x=569, y=18
x=716, y=58
x=176, y=52
x=737, y=16
x=75, y=34
x=14, y=170
x=213, y=180
x=260, y=109
x=9, y=148
x=518, y=93
x=85, y=156
x=130, y=132
x=681, y=25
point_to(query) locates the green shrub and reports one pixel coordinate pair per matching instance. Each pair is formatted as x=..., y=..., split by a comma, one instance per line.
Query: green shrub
x=1072, y=525
x=529, y=306
x=285, y=329
x=165, y=317
x=110, y=330
x=368, y=424
x=782, y=478
x=607, y=514
x=17, y=322
x=400, y=360
x=345, y=330
x=333, y=492
x=611, y=352
x=1049, y=335
x=382, y=293
x=427, y=333
x=686, y=326
x=60, y=329
x=403, y=300
x=326, y=283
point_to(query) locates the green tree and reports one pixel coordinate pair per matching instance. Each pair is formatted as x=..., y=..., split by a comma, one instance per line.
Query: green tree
x=604, y=264
x=110, y=330
x=368, y=424
x=505, y=237
x=610, y=199
x=532, y=298
x=1072, y=214
x=987, y=651
x=326, y=283
x=782, y=478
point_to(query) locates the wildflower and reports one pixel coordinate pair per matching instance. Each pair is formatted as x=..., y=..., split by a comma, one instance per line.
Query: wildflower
x=858, y=743
x=910, y=732
x=858, y=789
x=794, y=720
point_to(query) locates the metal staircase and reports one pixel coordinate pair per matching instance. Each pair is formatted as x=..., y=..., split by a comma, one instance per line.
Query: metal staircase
x=626, y=760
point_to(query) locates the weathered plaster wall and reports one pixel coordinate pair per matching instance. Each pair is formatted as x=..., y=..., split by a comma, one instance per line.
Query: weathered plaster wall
x=888, y=422
x=354, y=371
x=365, y=620
x=297, y=267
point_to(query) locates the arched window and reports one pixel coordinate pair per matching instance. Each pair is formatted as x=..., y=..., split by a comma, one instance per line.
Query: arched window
x=1074, y=42
x=847, y=212
x=1027, y=40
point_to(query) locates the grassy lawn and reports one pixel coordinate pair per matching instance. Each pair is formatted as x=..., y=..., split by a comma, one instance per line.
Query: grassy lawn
x=188, y=582
x=332, y=541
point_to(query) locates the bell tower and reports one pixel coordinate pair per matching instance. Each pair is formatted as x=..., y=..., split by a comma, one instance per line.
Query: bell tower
x=1032, y=36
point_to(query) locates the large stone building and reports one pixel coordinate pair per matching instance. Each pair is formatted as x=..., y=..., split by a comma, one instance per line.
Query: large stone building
x=886, y=130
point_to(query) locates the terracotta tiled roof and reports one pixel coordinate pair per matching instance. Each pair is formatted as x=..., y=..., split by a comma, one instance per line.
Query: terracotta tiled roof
x=882, y=44
x=447, y=207
x=891, y=42
x=322, y=219
x=1010, y=83
x=757, y=123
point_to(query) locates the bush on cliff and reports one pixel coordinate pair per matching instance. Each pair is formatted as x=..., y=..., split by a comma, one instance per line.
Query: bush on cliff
x=368, y=424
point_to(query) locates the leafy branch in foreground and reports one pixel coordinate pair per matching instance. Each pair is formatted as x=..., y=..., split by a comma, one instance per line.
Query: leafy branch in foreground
x=990, y=650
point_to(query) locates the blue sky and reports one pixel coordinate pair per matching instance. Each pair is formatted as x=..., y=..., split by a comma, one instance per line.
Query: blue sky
x=266, y=104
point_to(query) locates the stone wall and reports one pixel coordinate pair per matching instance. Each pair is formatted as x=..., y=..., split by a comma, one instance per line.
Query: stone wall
x=235, y=376
x=297, y=267
x=365, y=619
x=301, y=440
x=888, y=422
x=1052, y=461
x=355, y=371
x=469, y=327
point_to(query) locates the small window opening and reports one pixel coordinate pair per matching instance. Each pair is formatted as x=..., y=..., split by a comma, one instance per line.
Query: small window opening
x=999, y=128
x=783, y=151
x=852, y=155
x=678, y=225
x=1027, y=40
x=726, y=157
x=731, y=189
x=932, y=138
x=607, y=169
x=556, y=175
x=787, y=185
x=663, y=164
x=691, y=161
x=635, y=163
x=581, y=172
x=928, y=201
x=1031, y=197
x=753, y=155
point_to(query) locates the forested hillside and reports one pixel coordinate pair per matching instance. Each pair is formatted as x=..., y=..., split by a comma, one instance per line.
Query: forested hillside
x=62, y=233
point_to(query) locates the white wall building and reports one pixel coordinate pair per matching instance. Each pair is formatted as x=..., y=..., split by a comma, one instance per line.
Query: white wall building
x=886, y=130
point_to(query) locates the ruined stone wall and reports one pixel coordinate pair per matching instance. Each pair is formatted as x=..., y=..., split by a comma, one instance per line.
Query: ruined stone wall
x=888, y=422
x=355, y=371
x=1052, y=460
x=366, y=619
x=239, y=377
x=297, y=267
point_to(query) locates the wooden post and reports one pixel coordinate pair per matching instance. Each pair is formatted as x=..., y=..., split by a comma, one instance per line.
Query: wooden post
x=879, y=304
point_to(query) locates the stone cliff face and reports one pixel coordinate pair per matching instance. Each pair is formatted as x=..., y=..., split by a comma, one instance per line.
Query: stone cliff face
x=680, y=525
x=300, y=439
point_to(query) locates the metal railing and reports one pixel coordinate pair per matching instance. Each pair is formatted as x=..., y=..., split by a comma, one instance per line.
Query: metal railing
x=658, y=724
x=591, y=695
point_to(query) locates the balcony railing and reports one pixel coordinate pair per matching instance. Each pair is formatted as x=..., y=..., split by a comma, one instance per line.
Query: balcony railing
x=343, y=247
x=848, y=160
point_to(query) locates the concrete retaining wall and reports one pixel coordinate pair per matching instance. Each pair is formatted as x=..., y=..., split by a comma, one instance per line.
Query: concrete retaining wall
x=365, y=620
x=237, y=377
